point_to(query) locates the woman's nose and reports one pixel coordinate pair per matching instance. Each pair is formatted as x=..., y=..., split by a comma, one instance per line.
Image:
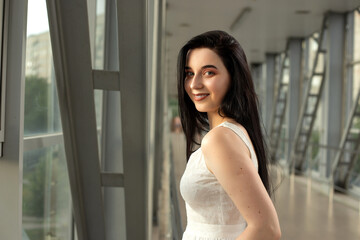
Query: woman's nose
x=196, y=82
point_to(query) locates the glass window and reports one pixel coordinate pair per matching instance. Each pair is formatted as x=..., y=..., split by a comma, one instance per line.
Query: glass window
x=46, y=196
x=41, y=104
x=99, y=34
x=46, y=191
x=356, y=55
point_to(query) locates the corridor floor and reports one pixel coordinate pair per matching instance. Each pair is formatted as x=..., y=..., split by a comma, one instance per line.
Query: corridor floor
x=306, y=213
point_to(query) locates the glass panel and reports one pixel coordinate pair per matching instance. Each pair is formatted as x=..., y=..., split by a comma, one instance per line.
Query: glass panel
x=315, y=85
x=46, y=192
x=313, y=46
x=356, y=80
x=355, y=176
x=100, y=34
x=41, y=102
x=286, y=75
x=277, y=72
x=320, y=63
x=46, y=195
x=315, y=139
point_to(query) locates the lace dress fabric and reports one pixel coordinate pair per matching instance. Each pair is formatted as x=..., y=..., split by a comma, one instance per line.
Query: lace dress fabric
x=211, y=214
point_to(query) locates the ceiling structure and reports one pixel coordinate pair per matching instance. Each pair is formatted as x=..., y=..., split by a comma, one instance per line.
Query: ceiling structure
x=265, y=27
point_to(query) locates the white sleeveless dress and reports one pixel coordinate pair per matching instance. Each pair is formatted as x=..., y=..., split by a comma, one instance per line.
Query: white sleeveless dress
x=211, y=214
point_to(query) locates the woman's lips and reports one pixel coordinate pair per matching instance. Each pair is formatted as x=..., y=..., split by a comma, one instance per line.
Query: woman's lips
x=199, y=97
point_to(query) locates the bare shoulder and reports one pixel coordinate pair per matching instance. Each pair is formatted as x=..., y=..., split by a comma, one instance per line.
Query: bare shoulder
x=223, y=138
x=222, y=145
x=216, y=136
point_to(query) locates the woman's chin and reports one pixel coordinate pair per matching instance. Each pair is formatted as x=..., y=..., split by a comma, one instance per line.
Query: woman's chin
x=201, y=109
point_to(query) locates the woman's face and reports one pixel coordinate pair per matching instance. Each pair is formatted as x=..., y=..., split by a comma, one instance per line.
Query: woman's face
x=206, y=79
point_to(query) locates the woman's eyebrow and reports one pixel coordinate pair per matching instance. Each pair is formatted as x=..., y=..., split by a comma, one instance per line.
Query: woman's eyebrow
x=208, y=66
x=203, y=67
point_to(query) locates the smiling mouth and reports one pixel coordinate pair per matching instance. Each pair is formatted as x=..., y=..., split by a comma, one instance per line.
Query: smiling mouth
x=199, y=97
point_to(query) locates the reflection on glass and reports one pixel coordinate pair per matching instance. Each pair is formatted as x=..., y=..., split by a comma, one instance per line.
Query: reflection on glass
x=315, y=84
x=315, y=138
x=286, y=75
x=41, y=106
x=320, y=63
x=46, y=195
x=99, y=34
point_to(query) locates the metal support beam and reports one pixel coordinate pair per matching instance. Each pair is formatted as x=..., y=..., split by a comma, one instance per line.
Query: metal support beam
x=132, y=67
x=333, y=88
x=349, y=91
x=293, y=90
x=68, y=21
x=11, y=163
x=112, y=141
x=160, y=92
x=257, y=74
x=151, y=106
x=3, y=76
x=269, y=90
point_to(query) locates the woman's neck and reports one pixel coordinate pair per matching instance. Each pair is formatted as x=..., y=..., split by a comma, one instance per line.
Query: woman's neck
x=215, y=119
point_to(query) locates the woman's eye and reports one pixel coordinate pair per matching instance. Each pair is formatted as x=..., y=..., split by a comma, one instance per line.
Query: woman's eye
x=189, y=74
x=209, y=73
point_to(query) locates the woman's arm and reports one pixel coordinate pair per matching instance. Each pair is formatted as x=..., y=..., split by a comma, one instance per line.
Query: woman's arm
x=228, y=158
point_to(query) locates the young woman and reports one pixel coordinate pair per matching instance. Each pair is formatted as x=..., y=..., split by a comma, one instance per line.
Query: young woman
x=226, y=183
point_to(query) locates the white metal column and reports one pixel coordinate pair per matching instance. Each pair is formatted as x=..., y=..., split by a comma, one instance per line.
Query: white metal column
x=257, y=75
x=349, y=58
x=344, y=162
x=294, y=90
x=269, y=90
x=112, y=141
x=333, y=88
x=160, y=92
x=11, y=163
x=132, y=67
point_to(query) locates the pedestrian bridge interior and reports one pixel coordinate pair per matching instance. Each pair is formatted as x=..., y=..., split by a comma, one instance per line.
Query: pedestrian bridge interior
x=90, y=141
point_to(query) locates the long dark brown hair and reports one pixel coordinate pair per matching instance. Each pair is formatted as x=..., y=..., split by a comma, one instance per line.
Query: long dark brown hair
x=240, y=102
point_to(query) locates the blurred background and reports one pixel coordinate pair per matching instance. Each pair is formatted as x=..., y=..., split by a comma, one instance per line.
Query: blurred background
x=90, y=139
